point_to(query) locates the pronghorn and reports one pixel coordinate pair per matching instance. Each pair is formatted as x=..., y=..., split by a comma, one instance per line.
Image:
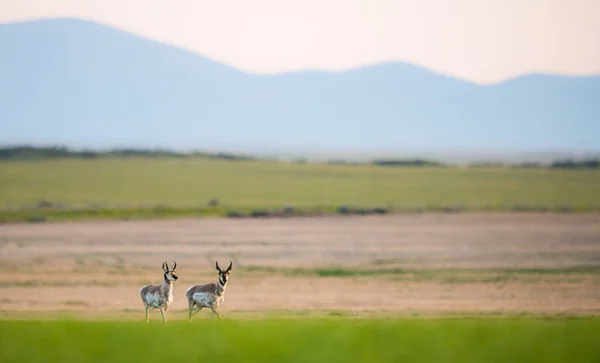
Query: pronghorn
x=160, y=296
x=209, y=295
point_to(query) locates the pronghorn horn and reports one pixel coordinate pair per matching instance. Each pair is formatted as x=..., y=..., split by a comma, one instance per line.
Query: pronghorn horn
x=163, y=266
x=218, y=268
x=174, y=265
x=230, y=265
x=167, y=265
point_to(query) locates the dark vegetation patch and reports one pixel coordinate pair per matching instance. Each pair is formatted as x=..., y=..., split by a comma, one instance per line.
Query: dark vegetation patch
x=37, y=153
x=453, y=275
x=60, y=212
x=407, y=162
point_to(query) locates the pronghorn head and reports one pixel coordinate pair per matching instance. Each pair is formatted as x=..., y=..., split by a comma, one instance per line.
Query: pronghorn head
x=170, y=272
x=224, y=274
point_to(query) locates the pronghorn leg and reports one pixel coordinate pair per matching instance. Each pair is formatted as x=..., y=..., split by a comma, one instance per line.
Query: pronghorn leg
x=163, y=313
x=146, y=307
x=197, y=309
x=192, y=309
x=215, y=312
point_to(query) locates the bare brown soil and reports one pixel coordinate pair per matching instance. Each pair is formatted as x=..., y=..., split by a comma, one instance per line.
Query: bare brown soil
x=100, y=266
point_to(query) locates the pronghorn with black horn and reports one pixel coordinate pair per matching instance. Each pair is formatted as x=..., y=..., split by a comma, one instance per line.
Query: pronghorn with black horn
x=160, y=296
x=208, y=296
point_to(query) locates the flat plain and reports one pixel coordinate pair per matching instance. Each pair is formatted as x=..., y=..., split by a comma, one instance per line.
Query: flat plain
x=476, y=283
x=120, y=188
x=422, y=264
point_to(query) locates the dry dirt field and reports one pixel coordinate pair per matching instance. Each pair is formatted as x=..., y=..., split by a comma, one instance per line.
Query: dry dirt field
x=415, y=264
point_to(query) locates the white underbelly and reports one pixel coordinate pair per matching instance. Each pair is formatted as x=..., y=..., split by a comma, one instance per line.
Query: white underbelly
x=156, y=301
x=206, y=299
x=152, y=300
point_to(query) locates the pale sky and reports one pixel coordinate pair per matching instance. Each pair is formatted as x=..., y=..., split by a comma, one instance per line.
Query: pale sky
x=480, y=40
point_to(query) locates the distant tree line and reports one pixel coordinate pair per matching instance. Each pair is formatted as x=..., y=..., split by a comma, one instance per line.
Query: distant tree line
x=53, y=152
x=557, y=164
x=408, y=162
x=571, y=164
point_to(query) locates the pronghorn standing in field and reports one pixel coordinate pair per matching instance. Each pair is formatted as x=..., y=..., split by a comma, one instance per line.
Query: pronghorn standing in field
x=160, y=296
x=209, y=295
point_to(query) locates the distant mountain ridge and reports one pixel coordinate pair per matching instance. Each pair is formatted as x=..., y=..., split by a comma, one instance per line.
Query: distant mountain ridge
x=79, y=83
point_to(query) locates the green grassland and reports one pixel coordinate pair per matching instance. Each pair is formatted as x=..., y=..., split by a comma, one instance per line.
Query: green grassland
x=173, y=187
x=309, y=340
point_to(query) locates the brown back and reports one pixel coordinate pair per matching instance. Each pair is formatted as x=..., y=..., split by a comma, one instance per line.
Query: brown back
x=211, y=288
x=149, y=289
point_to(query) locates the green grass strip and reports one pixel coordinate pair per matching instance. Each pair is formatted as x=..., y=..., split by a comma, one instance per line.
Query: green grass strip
x=311, y=340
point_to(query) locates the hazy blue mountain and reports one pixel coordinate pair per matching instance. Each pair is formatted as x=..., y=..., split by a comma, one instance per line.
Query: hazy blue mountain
x=84, y=84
